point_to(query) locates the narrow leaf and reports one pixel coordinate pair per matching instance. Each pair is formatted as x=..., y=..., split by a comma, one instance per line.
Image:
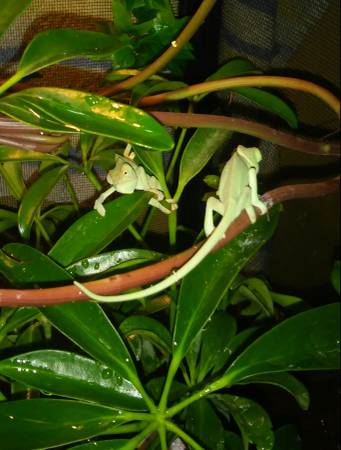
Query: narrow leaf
x=202, y=290
x=199, y=150
x=34, y=197
x=8, y=153
x=12, y=173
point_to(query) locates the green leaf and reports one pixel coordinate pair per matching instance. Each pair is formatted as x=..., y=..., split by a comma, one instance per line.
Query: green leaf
x=53, y=46
x=78, y=321
x=20, y=317
x=316, y=331
x=24, y=266
x=202, y=290
x=335, y=277
x=252, y=420
x=199, y=150
x=9, y=12
x=34, y=197
x=271, y=102
x=116, y=444
x=203, y=423
x=215, y=338
x=256, y=292
x=8, y=153
x=149, y=328
x=12, y=173
x=285, y=381
x=46, y=423
x=8, y=219
x=110, y=261
x=70, y=375
x=153, y=162
x=95, y=114
x=92, y=233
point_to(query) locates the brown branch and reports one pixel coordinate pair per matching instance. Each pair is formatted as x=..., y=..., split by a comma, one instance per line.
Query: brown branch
x=187, y=120
x=146, y=275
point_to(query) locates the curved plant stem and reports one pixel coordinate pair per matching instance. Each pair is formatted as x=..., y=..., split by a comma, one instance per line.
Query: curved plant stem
x=150, y=274
x=186, y=34
x=251, y=128
x=296, y=84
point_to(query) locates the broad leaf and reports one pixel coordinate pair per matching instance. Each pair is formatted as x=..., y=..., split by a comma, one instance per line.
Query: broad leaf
x=203, y=423
x=285, y=381
x=252, y=420
x=25, y=266
x=202, y=290
x=53, y=46
x=34, y=197
x=9, y=11
x=287, y=437
x=92, y=233
x=78, y=321
x=12, y=173
x=70, y=375
x=117, y=444
x=318, y=333
x=46, y=423
x=81, y=111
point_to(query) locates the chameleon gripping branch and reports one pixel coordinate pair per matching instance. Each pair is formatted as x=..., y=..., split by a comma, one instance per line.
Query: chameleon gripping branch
x=118, y=283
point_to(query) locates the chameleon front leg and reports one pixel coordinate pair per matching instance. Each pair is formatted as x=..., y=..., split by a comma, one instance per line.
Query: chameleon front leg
x=98, y=206
x=255, y=201
x=212, y=204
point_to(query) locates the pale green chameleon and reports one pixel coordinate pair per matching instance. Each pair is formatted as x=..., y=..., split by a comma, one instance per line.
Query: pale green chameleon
x=127, y=177
x=237, y=191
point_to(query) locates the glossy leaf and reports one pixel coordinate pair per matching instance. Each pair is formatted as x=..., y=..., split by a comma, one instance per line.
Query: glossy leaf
x=9, y=11
x=116, y=444
x=107, y=262
x=199, y=150
x=202, y=290
x=46, y=423
x=92, y=233
x=285, y=381
x=148, y=328
x=96, y=114
x=252, y=420
x=271, y=102
x=318, y=335
x=24, y=266
x=70, y=375
x=8, y=219
x=19, y=109
x=78, y=321
x=53, y=46
x=256, y=293
x=203, y=423
x=34, y=197
x=8, y=153
x=215, y=338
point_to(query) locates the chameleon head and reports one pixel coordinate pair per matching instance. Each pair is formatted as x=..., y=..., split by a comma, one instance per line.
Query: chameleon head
x=123, y=176
x=251, y=155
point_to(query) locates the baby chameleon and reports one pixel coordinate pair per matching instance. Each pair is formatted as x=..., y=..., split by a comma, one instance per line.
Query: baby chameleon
x=127, y=177
x=237, y=191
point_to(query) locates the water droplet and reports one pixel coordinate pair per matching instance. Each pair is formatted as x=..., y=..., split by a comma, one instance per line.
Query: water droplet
x=97, y=266
x=106, y=374
x=85, y=263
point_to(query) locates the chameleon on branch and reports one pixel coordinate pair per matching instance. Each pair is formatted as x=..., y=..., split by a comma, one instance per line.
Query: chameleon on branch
x=126, y=177
x=237, y=191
